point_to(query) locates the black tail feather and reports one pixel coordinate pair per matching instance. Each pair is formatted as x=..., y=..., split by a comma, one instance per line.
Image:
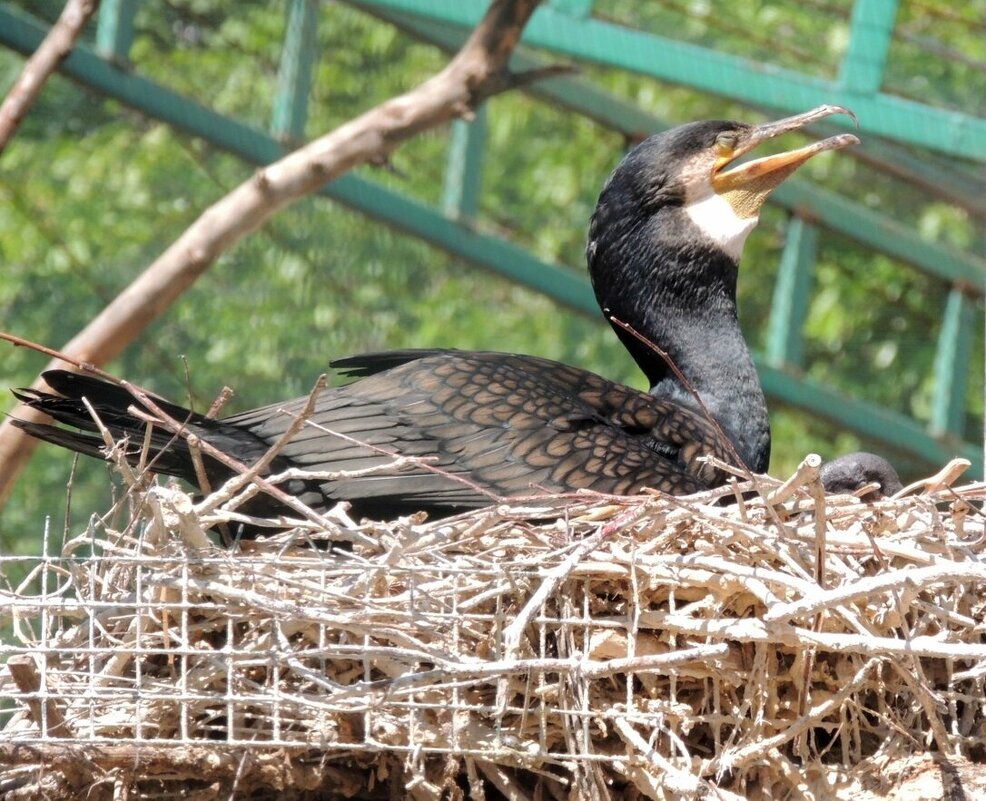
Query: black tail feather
x=87, y=444
x=166, y=454
x=111, y=405
x=104, y=395
x=364, y=364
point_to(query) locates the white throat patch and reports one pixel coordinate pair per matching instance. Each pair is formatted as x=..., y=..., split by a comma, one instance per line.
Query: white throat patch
x=718, y=220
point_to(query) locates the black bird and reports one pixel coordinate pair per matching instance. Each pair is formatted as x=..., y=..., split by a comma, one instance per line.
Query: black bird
x=663, y=252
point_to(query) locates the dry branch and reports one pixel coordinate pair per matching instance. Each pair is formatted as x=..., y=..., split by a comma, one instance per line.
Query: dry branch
x=477, y=72
x=45, y=60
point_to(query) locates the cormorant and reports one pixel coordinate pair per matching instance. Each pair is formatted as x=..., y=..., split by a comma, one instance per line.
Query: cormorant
x=663, y=251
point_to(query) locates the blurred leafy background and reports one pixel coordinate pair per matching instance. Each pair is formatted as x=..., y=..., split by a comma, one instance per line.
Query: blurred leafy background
x=91, y=192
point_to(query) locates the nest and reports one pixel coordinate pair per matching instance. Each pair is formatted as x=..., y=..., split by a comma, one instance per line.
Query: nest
x=759, y=641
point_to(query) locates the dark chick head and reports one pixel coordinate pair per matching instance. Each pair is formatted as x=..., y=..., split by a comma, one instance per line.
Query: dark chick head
x=853, y=471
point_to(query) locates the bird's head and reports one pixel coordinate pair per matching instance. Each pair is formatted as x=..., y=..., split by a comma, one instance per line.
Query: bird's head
x=693, y=180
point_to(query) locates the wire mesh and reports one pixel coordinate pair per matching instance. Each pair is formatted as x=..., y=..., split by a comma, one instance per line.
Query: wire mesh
x=165, y=645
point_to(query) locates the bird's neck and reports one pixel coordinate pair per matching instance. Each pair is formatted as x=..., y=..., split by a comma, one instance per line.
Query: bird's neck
x=683, y=299
x=713, y=358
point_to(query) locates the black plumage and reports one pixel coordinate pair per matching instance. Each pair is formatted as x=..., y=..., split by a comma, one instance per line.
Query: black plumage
x=853, y=471
x=509, y=425
x=663, y=253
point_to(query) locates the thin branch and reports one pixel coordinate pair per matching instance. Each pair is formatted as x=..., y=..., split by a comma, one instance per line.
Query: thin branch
x=79, y=364
x=45, y=60
x=867, y=587
x=260, y=466
x=727, y=441
x=245, y=472
x=689, y=387
x=48, y=717
x=806, y=473
x=735, y=758
x=678, y=781
x=514, y=633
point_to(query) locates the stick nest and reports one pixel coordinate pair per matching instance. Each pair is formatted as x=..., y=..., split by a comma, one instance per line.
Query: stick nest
x=758, y=641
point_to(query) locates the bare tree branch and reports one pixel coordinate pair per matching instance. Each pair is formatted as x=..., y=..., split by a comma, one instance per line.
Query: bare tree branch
x=56, y=46
x=478, y=71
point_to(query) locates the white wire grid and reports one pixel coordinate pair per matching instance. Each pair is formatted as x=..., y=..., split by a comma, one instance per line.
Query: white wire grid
x=109, y=644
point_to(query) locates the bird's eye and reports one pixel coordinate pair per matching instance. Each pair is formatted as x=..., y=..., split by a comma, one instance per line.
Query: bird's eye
x=726, y=142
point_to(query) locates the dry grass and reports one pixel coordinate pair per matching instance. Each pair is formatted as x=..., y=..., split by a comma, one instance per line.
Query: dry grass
x=579, y=648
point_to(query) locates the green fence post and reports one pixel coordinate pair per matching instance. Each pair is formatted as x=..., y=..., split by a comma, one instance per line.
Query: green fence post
x=785, y=343
x=464, y=171
x=951, y=365
x=115, y=30
x=869, y=42
x=294, y=77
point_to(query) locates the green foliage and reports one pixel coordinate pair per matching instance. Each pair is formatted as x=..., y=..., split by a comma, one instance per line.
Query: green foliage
x=91, y=193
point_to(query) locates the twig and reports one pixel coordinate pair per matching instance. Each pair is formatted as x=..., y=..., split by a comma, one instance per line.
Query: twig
x=81, y=365
x=679, y=782
x=417, y=461
x=918, y=577
x=818, y=498
x=683, y=380
x=241, y=469
x=736, y=758
x=190, y=761
x=116, y=451
x=450, y=670
x=689, y=387
x=229, y=490
x=502, y=780
x=201, y=478
x=945, y=477
x=245, y=477
x=49, y=718
x=219, y=403
x=913, y=677
x=514, y=632
x=752, y=630
x=653, y=662
x=190, y=527
x=806, y=473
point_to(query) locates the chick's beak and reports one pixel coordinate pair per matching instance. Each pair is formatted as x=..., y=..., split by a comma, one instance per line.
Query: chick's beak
x=747, y=186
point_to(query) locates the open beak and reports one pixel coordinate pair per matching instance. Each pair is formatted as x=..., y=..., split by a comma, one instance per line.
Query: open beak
x=750, y=183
